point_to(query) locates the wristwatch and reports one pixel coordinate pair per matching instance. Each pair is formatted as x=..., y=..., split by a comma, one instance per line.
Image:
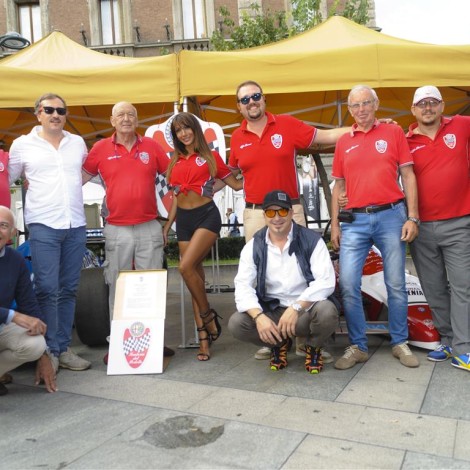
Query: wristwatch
x=297, y=307
x=415, y=220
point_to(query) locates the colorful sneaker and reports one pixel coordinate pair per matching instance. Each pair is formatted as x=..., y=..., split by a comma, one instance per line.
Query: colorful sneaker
x=313, y=359
x=462, y=361
x=441, y=353
x=279, y=356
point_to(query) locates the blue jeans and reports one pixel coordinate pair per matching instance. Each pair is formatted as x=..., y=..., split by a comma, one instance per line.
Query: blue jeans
x=56, y=255
x=384, y=230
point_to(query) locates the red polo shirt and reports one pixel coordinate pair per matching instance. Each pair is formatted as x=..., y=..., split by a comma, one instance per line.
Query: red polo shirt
x=5, y=198
x=269, y=162
x=442, y=169
x=192, y=174
x=369, y=162
x=129, y=178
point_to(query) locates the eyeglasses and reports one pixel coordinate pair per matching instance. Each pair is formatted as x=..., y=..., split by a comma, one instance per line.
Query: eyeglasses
x=271, y=213
x=50, y=110
x=364, y=104
x=246, y=99
x=425, y=103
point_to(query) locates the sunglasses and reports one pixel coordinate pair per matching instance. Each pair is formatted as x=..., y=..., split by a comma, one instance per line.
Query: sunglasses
x=424, y=104
x=271, y=213
x=254, y=97
x=50, y=110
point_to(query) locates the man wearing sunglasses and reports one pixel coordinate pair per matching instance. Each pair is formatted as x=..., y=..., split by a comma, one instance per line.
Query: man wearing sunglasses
x=366, y=164
x=51, y=161
x=441, y=251
x=283, y=287
x=264, y=148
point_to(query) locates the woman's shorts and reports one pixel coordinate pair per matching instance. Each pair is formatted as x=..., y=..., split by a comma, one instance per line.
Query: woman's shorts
x=189, y=220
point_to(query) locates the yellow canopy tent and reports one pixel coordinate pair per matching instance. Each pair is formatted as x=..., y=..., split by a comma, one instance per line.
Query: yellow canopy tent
x=311, y=74
x=90, y=82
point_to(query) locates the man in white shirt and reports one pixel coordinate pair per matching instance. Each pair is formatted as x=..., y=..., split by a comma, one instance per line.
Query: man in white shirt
x=51, y=161
x=284, y=287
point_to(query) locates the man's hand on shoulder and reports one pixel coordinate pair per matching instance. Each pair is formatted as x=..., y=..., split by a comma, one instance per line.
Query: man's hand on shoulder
x=32, y=324
x=45, y=373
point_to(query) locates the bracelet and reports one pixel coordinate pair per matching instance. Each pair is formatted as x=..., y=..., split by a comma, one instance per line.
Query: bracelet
x=257, y=315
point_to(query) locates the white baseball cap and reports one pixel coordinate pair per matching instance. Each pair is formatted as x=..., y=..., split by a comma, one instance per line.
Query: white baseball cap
x=427, y=91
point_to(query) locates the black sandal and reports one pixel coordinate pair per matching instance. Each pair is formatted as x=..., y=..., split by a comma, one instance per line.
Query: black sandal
x=201, y=356
x=213, y=316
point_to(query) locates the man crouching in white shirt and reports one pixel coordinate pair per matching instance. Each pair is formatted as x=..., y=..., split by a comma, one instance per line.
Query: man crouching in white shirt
x=284, y=287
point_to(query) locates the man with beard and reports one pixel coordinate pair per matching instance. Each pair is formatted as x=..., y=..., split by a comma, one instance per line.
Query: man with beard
x=441, y=252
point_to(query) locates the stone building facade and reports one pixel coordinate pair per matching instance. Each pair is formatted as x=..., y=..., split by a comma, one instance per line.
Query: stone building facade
x=133, y=28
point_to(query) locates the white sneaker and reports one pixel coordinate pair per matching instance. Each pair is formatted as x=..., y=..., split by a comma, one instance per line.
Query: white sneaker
x=69, y=360
x=263, y=353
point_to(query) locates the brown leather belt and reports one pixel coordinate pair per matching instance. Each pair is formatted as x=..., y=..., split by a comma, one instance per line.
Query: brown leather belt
x=372, y=209
x=250, y=205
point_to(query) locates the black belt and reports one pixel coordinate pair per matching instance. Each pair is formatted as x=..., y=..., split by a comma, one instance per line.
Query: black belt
x=372, y=209
x=250, y=205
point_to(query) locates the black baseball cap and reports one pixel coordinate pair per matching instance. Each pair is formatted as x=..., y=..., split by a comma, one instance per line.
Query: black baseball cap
x=277, y=198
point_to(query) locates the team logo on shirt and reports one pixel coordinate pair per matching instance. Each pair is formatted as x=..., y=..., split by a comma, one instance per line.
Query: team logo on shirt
x=144, y=157
x=381, y=146
x=2, y=167
x=276, y=140
x=200, y=161
x=450, y=140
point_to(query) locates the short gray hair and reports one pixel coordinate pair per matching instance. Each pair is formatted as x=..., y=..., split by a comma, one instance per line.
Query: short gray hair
x=361, y=88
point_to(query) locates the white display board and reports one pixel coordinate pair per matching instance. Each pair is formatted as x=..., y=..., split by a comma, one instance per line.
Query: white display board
x=138, y=326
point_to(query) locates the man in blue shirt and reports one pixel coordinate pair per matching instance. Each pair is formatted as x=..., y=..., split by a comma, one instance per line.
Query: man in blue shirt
x=22, y=330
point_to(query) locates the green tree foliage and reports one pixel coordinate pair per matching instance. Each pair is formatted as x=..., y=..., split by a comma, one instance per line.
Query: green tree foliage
x=266, y=27
x=261, y=28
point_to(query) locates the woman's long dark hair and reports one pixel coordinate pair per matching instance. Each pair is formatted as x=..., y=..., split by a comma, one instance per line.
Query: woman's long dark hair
x=200, y=145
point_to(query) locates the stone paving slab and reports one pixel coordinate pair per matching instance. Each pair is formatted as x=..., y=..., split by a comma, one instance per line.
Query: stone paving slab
x=323, y=452
x=41, y=430
x=187, y=441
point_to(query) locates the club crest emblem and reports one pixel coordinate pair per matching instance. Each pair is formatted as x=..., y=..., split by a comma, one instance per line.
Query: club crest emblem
x=381, y=146
x=144, y=157
x=136, y=344
x=200, y=161
x=450, y=140
x=276, y=140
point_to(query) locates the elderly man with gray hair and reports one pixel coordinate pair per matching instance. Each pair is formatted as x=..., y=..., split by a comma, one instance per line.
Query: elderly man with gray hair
x=366, y=164
x=22, y=328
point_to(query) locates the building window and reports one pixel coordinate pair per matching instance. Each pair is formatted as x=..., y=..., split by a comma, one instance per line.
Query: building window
x=29, y=21
x=111, y=24
x=194, y=19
